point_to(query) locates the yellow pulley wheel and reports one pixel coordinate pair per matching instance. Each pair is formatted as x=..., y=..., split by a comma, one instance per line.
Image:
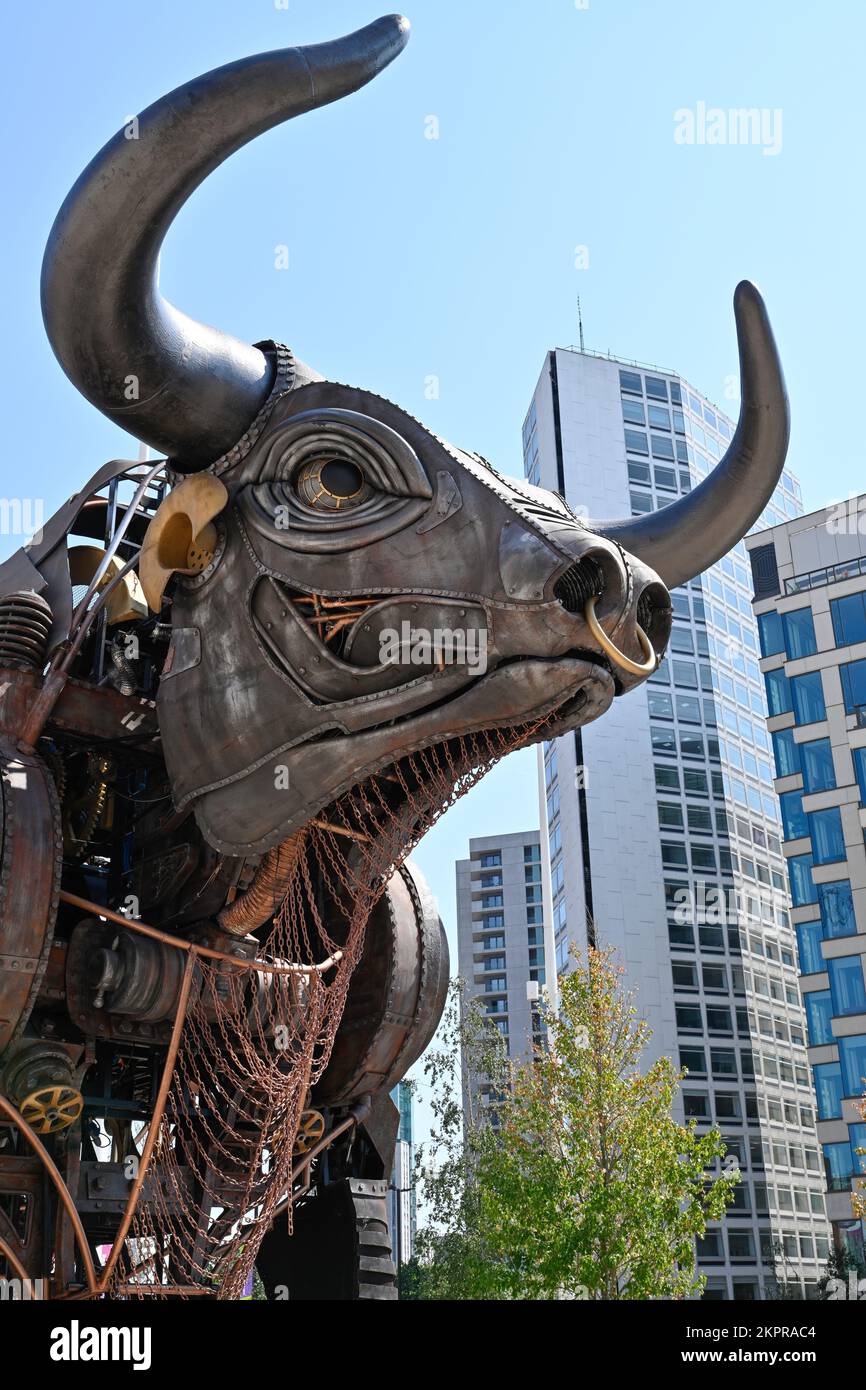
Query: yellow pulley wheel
x=637, y=668
x=51, y=1108
x=311, y=1127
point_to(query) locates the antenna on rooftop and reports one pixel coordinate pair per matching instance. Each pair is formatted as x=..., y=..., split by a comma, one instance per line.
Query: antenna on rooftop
x=580, y=322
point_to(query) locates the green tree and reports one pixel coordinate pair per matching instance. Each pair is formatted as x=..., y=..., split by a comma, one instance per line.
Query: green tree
x=577, y=1181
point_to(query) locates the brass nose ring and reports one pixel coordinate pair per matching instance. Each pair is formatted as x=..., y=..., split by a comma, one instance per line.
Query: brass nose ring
x=636, y=668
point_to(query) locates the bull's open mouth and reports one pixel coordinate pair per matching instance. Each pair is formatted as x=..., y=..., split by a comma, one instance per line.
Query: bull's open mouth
x=421, y=783
x=410, y=767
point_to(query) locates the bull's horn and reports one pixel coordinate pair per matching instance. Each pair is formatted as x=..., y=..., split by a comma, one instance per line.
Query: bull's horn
x=691, y=534
x=188, y=390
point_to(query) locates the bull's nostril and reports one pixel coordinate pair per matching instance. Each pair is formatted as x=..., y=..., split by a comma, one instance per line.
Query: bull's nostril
x=581, y=582
x=654, y=614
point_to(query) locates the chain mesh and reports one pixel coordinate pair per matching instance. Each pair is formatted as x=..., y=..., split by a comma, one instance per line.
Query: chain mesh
x=254, y=1042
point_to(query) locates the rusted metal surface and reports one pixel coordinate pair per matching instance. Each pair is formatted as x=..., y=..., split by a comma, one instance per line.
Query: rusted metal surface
x=51, y=1169
x=29, y=885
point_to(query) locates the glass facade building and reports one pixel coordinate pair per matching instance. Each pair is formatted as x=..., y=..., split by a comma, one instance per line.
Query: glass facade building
x=504, y=941
x=663, y=829
x=809, y=579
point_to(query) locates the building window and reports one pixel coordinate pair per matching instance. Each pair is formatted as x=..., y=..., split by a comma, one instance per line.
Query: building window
x=778, y=689
x=531, y=852
x=802, y=884
x=858, y=756
x=794, y=821
x=816, y=760
x=491, y=900
x=630, y=381
x=493, y=963
x=718, y=1020
x=828, y=841
x=689, y=1018
x=709, y=1247
x=771, y=633
x=685, y=674
x=660, y=704
x=664, y=741
x=786, y=753
x=636, y=442
x=633, y=413
x=799, y=633
x=838, y=1166
x=694, y=1060
x=696, y=1105
x=723, y=1061
x=491, y=880
x=491, y=861
x=807, y=694
x=667, y=778
x=853, y=685
x=674, y=855
x=663, y=448
x=688, y=709
x=847, y=986
x=727, y=1105
x=819, y=1015
x=849, y=619
x=837, y=908
x=809, y=936
x=852, y=1058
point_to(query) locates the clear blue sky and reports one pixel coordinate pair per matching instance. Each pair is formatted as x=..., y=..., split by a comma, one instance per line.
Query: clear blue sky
x=454, y=257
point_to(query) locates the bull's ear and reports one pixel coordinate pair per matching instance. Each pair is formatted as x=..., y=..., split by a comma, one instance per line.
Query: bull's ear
x=182, y=537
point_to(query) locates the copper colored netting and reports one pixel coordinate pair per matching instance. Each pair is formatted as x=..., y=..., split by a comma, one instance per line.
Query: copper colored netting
x=253, y=1044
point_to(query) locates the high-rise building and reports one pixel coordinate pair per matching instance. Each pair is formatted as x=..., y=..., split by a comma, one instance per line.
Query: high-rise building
x=810, y=590
x=401, y=1191
x=501, y=930
x=662, y=827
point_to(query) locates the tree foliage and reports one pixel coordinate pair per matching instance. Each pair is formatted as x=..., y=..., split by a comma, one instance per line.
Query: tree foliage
x=575, y=1180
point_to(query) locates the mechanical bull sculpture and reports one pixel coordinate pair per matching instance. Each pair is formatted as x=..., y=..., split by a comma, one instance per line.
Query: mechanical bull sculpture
x=214, y=748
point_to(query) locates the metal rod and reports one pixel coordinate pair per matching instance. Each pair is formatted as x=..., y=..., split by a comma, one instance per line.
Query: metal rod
x=118, y=536
x=193, y=947
x=9, y=1254
x=55, y=681
x=63, y=1193
x=340, y=830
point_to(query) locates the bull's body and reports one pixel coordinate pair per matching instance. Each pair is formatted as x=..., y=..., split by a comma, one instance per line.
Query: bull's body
x=176, y=744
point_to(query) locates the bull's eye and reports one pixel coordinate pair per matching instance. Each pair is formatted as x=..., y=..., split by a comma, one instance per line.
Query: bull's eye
x=331, y=484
